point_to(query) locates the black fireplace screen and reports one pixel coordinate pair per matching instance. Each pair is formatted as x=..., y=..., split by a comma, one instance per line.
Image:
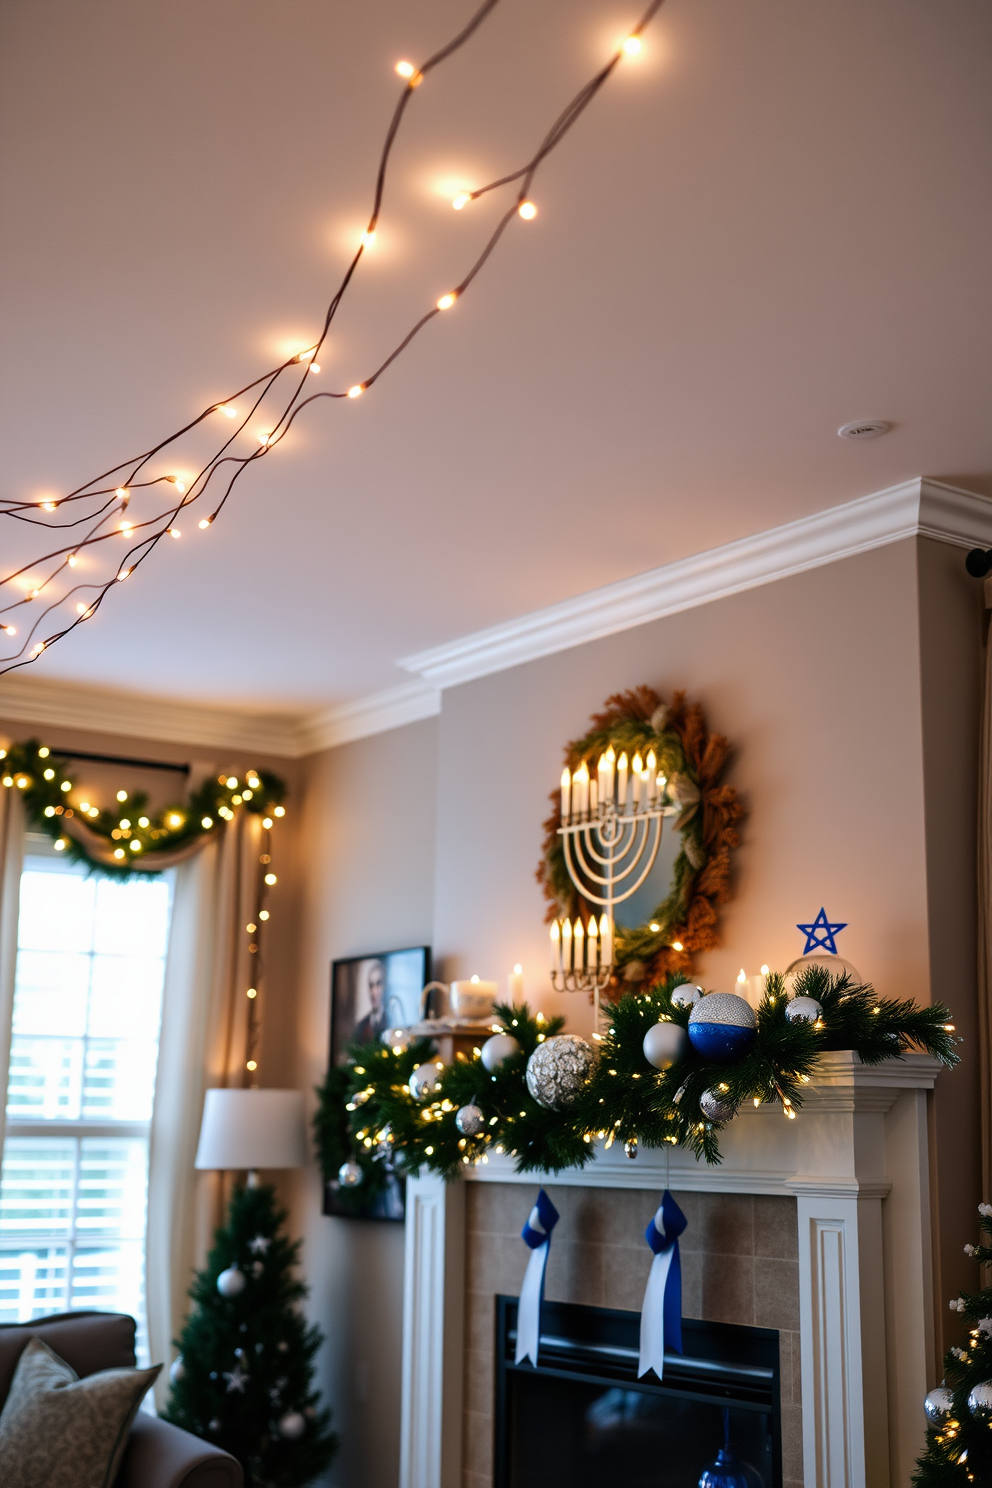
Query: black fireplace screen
x=583, y=1418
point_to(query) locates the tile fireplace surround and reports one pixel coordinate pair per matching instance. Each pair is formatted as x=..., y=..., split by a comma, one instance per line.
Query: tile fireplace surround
x=812, y=1226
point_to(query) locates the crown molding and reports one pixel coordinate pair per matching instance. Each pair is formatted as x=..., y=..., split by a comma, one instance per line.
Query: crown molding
x=374, y=714
x=916, y=507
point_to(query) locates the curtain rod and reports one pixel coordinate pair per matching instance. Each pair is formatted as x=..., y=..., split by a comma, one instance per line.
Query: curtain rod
x=119, y=759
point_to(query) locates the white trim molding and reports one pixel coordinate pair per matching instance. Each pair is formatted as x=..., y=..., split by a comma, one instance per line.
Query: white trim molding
x=375, y=714
x=918, y=507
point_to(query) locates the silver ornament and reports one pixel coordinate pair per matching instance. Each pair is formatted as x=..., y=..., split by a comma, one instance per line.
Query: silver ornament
x=980, y=1401
x=177, y=1371
x=396, y=1038
x=559, y=1070
x=470, y=1120
x=715, y=1106
x=501, y=1046
x=836, y=965
x=630, y=1147
x=938, y=1405
x=425, y=1080
x=291, y=1426
x=664, y=1043
x=803, y=1010
x=686, y=995
x=232, y=1282
x=350, y=1175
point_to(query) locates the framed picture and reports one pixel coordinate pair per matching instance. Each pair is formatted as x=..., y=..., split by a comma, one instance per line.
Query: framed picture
x=369, y=994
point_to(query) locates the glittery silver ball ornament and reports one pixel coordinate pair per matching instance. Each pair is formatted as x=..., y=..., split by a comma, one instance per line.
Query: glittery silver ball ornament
x=980, y=1401
x=291, y=1426
x=938, y=1405
x=349, y=1175
x=424, y=1081
x=232, y=1282
x=177, y=1370
x=664, y=1043
x=715, y=1106
x=470, y=1120
x=686, y=995
x=559, y=1070
x=501, y=1046
x=722, y=1026
x=630, y=1147
x=803, y=1010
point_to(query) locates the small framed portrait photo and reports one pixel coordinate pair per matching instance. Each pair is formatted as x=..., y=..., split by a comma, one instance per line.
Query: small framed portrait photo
x=375, y=992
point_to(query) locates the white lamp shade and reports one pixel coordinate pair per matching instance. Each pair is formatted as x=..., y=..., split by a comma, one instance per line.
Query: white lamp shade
x=252, y=1129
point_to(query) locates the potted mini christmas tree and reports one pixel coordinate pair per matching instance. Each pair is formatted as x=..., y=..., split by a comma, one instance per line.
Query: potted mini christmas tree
x=244, y=1378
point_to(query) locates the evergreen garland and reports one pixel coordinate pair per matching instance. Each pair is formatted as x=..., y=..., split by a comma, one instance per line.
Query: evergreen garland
x=959, y=1450
x=47, y=787
x=246, y=1362
x=367, y=1112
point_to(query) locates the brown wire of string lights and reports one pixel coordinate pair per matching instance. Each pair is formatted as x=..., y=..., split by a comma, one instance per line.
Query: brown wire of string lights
x=113, y=489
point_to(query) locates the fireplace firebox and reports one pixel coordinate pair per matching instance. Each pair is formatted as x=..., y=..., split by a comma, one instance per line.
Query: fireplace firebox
x=582, y=1416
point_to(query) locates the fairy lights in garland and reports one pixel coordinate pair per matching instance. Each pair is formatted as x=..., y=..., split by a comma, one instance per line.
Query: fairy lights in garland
x=158, y=497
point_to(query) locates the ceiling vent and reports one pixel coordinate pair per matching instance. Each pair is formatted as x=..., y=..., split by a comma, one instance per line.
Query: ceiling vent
x=864, y=429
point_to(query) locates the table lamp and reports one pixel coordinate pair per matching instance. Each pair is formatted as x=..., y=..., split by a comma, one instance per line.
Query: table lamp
x=252, y=1129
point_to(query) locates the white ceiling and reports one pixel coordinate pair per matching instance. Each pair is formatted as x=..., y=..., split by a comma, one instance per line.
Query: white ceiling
x=776, y=220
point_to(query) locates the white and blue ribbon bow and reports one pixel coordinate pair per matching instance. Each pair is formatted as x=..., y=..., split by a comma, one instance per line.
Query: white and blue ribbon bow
x=661, y=1315
x=537, y=1234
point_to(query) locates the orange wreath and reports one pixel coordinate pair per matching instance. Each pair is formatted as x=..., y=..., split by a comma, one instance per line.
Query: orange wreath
x=694, y=761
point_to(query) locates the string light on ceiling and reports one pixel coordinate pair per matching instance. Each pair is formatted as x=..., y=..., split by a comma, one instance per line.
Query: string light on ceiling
x=72, y=579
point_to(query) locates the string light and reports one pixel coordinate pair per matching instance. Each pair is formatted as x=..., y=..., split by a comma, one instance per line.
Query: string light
x=217, y=476
x=461, y=200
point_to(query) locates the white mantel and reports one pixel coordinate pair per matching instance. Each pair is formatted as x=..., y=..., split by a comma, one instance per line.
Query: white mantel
x=856, y=1160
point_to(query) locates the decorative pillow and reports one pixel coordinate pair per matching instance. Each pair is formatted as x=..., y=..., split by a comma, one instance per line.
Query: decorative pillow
x=60, y=1431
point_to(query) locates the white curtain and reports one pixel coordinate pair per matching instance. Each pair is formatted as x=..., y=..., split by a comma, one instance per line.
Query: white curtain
x=208, y=971
x=11, y=860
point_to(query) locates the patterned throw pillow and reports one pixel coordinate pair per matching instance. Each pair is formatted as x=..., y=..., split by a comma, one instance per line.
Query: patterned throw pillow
x=60, y=1431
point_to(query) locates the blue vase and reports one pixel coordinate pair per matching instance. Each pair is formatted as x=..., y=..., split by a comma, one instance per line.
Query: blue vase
x=729, y=1471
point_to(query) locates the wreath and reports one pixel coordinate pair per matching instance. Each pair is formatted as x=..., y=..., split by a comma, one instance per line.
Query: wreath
x=127, y=839
x=376, y=1110
x=706, y=814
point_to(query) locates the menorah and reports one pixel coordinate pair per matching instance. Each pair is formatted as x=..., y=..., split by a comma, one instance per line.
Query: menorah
x=611, y=832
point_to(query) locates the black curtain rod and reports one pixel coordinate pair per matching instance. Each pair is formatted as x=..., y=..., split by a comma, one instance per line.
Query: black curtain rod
x=119, y=759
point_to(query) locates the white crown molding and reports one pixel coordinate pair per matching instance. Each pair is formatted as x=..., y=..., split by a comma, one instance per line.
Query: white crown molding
x=374, y=714
x=916, y=507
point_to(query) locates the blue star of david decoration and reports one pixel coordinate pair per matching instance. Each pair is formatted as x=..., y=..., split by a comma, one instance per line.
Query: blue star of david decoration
x=820, y=934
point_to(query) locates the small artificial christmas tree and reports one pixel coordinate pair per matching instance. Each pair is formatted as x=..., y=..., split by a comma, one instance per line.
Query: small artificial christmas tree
x=959, y=1438
x=244, y=1378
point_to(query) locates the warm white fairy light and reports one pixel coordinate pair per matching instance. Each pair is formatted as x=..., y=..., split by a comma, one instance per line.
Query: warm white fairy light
x=461, y=200
x=446, y=301
x=527, y=210
x=405, y=69
x=632, y=46
x=356, y=391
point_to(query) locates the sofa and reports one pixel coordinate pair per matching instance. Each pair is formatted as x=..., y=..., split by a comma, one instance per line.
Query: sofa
x=157, y=1455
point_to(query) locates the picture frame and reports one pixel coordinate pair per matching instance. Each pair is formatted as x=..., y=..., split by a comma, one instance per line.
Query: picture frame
x=369, y=994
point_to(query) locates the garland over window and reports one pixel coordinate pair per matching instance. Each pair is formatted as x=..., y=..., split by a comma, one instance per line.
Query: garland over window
x=395, y=1104
x=126, y=838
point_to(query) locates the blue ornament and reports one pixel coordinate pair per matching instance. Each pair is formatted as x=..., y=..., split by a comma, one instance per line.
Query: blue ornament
x=729, y=1470
x=820, y=934
x=722, y=1026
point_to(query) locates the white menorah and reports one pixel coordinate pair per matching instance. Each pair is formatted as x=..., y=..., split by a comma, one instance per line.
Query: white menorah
x=611, y=832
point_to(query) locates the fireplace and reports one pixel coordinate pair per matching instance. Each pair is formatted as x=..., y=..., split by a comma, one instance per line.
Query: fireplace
x=582, y=1417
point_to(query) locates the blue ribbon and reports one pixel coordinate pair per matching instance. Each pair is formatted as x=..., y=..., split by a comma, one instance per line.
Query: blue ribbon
x=661, y=1314
x=536, y=1234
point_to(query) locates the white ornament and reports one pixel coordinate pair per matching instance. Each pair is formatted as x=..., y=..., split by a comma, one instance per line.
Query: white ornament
x=980, y=1401
x=396, y=1038
x=715, y=1106
x=259, y=1245
x=178, y=1370
x=938, y=1405
x=559, y=1070
x=686, y=995
x=803, y=1010
x=350, y=1175
x=470, y=1120
x=425, y=1080
x=498, y=1048
x=664, y=1043
x=232, y=1282
x=291, y=1426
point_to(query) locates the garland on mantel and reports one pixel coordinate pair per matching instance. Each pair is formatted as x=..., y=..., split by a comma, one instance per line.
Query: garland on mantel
x=369, y=1117
x=124, y=838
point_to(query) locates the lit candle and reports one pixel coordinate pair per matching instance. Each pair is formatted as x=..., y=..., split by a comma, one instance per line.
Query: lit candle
x=592, y=944
x=622, y=783
x=580, y=790
x=566, y=945
x=662, y=782
x=593, y=797
x=606, y=788
x=605, y=940
x=555, y=946
x=651, y=765
x=637, y=765
x=515, y=984
x=579, y=945
x=566, y=793
x=601, y=775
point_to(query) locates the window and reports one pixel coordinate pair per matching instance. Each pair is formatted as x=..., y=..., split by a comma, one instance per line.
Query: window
x=84, y=1048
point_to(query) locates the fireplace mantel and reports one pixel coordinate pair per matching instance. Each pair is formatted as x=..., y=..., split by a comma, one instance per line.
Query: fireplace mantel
x=856, y=1161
